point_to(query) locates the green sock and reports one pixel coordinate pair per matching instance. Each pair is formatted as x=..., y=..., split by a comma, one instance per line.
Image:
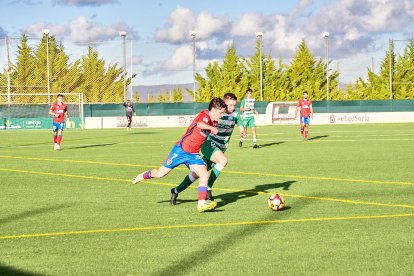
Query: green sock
x=184, y=184
x=213, y=176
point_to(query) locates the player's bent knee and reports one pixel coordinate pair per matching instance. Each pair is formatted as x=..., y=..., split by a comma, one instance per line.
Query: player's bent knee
x=219, y=167
x=193, y=176
x=204, y=175
x=223, y=162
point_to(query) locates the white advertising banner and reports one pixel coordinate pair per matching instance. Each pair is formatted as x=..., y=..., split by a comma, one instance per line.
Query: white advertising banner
x=277, y=113
x=363, y=118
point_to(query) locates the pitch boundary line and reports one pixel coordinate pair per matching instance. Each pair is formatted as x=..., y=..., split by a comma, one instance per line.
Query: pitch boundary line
x=183, y=226
x=217, y=189
x=225, y=171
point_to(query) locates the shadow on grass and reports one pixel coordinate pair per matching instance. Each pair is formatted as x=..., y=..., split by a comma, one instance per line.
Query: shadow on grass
x=8, y=270
x=31, y=213
x=92, y=146
x=27, y=145
x=318, y=137
x=180, y=201
x=217, y=247
x=232, y=197
x=135, y=132
x=270, y=144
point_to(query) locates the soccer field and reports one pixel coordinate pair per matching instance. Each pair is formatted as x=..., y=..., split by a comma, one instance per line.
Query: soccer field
x=349, y=195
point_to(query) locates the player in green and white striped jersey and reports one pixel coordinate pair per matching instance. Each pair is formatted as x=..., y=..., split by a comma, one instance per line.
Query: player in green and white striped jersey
x=214, y=147
x=247, y=107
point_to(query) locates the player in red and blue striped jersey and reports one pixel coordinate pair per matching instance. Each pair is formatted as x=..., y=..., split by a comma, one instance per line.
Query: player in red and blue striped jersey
x=214, y=147
x=186, y=151
x=306, y=112
x=58, y=110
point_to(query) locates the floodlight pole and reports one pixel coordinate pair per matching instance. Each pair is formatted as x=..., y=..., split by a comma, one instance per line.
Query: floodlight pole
x=193, y=36
x=8, y=70
x=326, y=37
x=259, y=35
x=390, y=64
x=131, y=70
x=123, y=35
x=46, y=32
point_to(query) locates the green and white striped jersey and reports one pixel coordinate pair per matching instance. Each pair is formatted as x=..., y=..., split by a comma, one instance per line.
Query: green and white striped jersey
x=245, y=103
x=225, y=127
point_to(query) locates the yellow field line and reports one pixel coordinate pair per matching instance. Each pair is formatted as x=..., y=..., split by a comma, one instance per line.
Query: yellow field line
x=226, y=171
x=217, y=189
x=240, y=223
x=324, y=178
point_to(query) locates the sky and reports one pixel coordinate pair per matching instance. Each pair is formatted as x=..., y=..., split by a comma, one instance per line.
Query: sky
x=159, y=45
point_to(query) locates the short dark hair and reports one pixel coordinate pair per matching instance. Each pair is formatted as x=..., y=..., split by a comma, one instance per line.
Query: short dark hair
x=305, y=92
x=249, y=90
x=217, y=103
x=60, y=95
x=230, y=96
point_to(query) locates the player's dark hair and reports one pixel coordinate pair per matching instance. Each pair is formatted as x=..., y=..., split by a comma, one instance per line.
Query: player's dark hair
x=217, y=103
x=230, y=96
x=305, y=93
x=249, y=90
x=59, y=95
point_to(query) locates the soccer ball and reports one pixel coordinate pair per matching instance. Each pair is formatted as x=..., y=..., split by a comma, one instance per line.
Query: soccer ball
x=276, y=202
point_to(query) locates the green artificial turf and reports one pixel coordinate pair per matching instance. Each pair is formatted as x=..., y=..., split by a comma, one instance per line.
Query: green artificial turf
x=349, y=195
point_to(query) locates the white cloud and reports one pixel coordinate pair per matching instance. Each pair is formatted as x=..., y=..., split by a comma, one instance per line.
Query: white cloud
x=26, y=2
x=36, y=30
x=352, y=23
x=180, y=60
x=136, y=60
x=81, y=30
x=84, y=2
x=248, y=24
x=182, y=20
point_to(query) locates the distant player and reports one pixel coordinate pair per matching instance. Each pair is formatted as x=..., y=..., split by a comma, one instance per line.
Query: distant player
x=247, y=107
x=306, y=112
x=58, y=110
x=129, y=111
x=213, y=149
x=186, y=151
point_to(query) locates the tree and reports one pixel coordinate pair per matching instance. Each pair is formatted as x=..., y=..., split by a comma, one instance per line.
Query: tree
x=221, y=79
x=404, y=73
x=98, y=82
x=23, y=76
x=177, y=96
x=252, y=71
x=137, y=97
x=305, y=73
x=375, y=87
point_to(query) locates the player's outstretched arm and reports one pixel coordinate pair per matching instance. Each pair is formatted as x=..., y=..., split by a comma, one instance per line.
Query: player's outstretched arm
x=203, y=125
x=52, y=113
x=311, y=111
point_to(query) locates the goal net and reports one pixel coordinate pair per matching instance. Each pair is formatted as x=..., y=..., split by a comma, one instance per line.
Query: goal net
x=31, y=111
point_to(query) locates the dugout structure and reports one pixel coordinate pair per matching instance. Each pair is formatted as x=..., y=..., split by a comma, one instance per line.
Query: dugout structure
x=31, y=111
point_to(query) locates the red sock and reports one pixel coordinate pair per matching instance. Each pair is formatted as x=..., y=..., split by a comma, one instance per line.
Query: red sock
x=55, y=139
x=202, y=193
x=59, y=139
